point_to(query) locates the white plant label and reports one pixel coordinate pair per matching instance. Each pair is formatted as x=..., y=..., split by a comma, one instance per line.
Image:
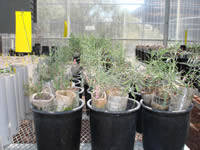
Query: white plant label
x=90, y=28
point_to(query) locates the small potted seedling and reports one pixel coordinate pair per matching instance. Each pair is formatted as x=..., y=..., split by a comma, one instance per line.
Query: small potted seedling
x=109, y=90
x=62, y=122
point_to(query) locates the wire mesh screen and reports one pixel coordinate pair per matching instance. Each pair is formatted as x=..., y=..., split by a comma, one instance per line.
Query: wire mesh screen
x=184, y=15
x=129, y=19
x=141, y=21
x=26, y=133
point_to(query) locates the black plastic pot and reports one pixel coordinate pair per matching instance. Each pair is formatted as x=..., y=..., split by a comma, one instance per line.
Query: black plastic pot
x=77, y=82
x=138, y=98
x=45, y=50
x=183, y=47
x=36, y=49
x=58, y=131
x=164, y=130
x=113, y=130
x=181, y=66
x=140, y=54
x=136, y=52
x=87, y=96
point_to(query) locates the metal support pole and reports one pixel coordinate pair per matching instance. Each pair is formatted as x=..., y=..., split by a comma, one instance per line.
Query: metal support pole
x=124, y=30
x=1, y=45
x=166, y=25
x=178, y=19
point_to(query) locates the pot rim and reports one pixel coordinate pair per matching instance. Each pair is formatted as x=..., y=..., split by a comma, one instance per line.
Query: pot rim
x=59, y=113
x=45, y=101
x=89, y=90
x=138, y=93
x=116, y=112
x=166, y=112
x=78, y=81
x=61, y=91
x=79, y=92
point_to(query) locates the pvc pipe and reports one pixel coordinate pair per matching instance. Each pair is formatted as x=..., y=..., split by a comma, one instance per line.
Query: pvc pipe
x=178, y=19
x=17, y=98
x=1, y=145
x=11, y=103
x=20, y=83
x=4, y=131
x=26, y=98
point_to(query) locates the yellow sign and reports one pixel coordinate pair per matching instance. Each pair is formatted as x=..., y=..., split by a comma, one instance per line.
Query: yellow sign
x=65, y=29
x=186, y=36
x=23, y=31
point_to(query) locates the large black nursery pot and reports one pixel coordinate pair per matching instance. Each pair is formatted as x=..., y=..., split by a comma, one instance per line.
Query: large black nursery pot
x=113, y=130
x=58, y=131
x=137, y=51
x=164, y=130
x=138, y=98
x=140, y=53
x=87, y=94
x=181, y=66
x=77, y=80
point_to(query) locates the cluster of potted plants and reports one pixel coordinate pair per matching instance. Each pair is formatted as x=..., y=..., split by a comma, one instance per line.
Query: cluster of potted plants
x=113, y=91
x=56, y=105
x=143, y=52
x=187, y=58
x=166, y=94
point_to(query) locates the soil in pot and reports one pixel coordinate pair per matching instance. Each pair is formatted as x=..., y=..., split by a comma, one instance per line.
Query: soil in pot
x=100, y=101
x=116, y=100
x=65, y=100
x=113, y=130
x=43, y=101
x=164, y=130
x=43, y=96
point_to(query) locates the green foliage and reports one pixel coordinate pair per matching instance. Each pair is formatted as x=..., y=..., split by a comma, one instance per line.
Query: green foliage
x=105, y=64
x=68, y=108
x=35, y=88
x=75, y=44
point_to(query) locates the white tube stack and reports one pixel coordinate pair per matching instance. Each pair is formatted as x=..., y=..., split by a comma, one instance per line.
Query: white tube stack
x=14, y=105
x=4, y=120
